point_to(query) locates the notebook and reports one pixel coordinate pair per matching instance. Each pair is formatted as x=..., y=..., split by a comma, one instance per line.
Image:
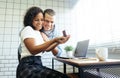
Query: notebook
x=80, y=50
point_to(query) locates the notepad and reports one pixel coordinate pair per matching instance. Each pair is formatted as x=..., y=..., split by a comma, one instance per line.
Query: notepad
x=87, y=60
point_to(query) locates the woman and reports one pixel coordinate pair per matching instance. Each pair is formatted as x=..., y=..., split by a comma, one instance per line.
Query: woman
x=34, y=43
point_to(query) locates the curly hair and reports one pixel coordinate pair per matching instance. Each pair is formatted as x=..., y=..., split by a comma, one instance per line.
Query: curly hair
x=30, y=15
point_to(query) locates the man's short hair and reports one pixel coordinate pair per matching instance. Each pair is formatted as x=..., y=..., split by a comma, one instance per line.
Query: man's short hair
x=51, y=12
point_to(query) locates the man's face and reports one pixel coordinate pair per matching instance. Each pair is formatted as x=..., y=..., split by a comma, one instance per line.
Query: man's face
x=48, y=22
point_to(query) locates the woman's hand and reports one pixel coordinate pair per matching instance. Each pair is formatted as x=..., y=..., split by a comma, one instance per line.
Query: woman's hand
x=62, y=39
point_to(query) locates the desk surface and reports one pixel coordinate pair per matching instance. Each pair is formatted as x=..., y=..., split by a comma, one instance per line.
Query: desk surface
x=90, y=62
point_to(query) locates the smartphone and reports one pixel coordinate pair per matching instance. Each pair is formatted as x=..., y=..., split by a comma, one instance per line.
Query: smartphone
x=64, y=33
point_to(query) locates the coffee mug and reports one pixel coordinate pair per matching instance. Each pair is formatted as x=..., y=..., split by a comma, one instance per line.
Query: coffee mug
x=102, y=53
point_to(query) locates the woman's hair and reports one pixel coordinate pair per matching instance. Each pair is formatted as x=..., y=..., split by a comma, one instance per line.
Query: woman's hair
x=30, y=15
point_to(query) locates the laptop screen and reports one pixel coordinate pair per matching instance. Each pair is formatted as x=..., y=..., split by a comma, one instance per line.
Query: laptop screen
x=81, y=48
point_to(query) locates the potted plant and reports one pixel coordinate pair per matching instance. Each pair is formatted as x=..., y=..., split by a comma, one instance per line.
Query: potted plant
x=69, y=51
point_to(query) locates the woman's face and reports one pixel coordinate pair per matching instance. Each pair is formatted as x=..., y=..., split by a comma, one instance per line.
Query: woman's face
x=37, y=21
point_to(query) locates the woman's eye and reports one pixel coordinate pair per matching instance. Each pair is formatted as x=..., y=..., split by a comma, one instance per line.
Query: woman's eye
x=36, y=20
x=39, y=20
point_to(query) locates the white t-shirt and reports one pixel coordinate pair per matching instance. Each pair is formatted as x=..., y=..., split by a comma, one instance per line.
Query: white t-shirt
x=29, y=32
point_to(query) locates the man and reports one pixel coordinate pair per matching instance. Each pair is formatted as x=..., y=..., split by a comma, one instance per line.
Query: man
x=49, y=28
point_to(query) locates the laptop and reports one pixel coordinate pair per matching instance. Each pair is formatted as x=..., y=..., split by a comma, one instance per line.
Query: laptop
x=80, y=50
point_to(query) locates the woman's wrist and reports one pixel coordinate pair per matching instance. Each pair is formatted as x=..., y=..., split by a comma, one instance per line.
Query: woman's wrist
x=57, y=43
x=56, y=39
